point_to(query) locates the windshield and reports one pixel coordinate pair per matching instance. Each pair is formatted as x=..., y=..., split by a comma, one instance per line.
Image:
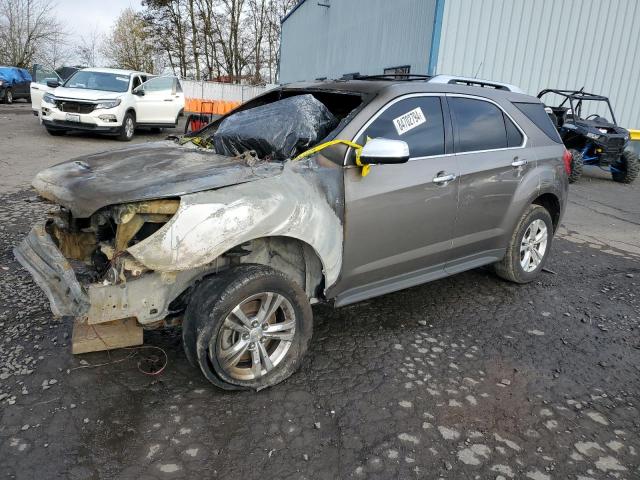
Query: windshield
x=107, y=82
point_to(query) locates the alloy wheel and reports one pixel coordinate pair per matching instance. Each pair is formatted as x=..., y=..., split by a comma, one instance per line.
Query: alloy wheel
x=533, y=245
x=255, y=337
x=128, y=127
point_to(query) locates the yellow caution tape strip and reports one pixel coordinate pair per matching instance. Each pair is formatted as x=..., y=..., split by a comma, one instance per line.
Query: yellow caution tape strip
x=358, y=148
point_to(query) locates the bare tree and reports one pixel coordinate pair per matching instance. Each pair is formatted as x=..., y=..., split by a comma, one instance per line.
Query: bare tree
x=169, y=24
x=129, y=45
x=88, y=50
x=56, y=52
x=27, y=27
x=228, y=40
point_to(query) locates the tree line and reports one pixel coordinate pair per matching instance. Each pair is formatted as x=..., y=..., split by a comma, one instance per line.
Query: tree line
x=225, y=40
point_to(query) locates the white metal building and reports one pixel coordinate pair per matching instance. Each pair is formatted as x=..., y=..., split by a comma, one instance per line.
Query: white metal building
x=535, y=44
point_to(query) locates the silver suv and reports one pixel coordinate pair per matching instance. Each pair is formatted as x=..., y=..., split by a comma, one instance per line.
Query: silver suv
x=333, y=191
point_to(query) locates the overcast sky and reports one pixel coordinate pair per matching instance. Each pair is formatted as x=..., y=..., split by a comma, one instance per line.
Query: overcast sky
x=82, y=16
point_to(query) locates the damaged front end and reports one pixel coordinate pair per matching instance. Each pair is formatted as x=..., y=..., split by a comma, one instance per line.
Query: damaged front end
x=83, y=266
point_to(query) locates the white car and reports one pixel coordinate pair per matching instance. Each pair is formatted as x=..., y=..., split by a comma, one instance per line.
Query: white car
x=113, y=102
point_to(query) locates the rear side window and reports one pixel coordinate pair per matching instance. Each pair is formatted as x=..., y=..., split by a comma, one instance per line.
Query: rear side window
x=535, y=112
x=416, y=120
x=514, y=136
x=480, y=125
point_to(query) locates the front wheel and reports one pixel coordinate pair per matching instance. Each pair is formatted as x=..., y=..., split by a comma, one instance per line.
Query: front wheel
x=528, y=248
x=247, y=328
x=627, y=168
x=128, y=127
x=8, y=96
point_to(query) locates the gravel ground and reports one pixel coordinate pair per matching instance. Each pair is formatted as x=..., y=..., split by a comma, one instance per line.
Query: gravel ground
x=467, y=377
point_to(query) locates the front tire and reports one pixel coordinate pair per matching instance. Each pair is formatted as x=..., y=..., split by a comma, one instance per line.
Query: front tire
x=251, y=326
x=8, y=96
x=627, y=167
x=577, y=165
x=128, y=128
x=528, y=248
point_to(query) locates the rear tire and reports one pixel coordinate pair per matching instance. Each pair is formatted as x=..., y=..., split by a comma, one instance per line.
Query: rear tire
x=528, y=248
x=248, y=327
x=627, y=167
x=577, y=165
x=128, y=128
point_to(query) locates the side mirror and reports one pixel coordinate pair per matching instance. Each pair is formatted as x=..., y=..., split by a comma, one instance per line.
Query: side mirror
x=53, y=83
x=383, y=150
x=138, y=91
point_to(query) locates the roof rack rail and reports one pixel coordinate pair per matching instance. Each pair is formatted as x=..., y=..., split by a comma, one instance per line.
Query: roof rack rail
x=405, y=77
x=475, y=82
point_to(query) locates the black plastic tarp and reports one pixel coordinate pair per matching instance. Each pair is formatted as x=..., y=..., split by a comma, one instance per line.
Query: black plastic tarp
x=278, y=130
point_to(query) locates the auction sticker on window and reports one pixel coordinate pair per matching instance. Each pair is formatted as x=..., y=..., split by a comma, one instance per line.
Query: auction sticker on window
x=409, y=120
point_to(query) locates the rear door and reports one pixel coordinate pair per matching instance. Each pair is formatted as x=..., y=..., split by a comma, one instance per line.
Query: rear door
x=160, y=102
x=399, y=219
x=492, y=161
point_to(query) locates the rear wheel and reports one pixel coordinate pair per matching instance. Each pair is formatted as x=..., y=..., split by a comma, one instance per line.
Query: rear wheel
x=529, y=246
x=128, y=127
x=577, y=164
x=247, y=328
x=626, y=168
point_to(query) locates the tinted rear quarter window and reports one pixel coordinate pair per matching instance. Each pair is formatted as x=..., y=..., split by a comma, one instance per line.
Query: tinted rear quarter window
x=536, y=113
x=480, y=125
x=514, y=136
x=416, y=120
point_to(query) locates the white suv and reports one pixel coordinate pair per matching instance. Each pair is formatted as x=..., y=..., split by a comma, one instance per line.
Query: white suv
x=110, y=101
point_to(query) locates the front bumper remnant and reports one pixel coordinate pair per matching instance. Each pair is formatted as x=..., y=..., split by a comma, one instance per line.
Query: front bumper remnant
x=52, y=272
x=146, y=298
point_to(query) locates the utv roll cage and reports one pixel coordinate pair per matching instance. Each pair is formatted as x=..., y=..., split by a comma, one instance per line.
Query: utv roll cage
x=575, y=99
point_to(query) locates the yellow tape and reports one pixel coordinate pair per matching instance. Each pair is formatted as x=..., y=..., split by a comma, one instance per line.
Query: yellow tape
x=635, y=134
x=358, y=148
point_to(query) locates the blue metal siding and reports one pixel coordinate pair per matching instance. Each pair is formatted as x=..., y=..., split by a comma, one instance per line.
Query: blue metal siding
x=539, y=44
x=435, y=37
x=363, y=36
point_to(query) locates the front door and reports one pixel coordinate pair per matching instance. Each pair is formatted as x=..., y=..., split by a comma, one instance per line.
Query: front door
x=158, y=101
x=492, y=161
x=399, y=219
x=39, y=86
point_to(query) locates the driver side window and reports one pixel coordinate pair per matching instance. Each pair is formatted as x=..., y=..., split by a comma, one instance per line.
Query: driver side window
x=418, y=121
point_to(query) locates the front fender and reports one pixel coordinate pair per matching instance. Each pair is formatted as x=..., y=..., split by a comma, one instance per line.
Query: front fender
x=209, y=223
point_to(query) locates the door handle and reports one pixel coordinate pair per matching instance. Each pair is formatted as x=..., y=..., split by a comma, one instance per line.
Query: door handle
x=518, y=162
x=443, y=177
x=168, y=99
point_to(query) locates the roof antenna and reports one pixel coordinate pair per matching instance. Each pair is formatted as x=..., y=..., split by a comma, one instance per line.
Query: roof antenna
x=478, y=71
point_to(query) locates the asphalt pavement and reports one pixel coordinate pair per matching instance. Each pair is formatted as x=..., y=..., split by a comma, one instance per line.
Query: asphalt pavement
x=469, y=377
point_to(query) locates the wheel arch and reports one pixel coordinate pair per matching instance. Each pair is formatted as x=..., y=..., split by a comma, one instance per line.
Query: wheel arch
x=291, y=255
x=552, y=204
x=130, y=109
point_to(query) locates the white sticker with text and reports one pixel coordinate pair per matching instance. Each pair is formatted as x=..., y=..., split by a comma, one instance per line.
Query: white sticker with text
x=409, y=120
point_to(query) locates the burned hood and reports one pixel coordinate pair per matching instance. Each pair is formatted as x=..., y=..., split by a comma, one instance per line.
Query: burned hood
x=144, y=172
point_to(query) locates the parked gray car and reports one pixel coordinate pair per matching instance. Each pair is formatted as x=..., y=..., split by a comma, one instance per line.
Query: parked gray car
x=334, y=191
